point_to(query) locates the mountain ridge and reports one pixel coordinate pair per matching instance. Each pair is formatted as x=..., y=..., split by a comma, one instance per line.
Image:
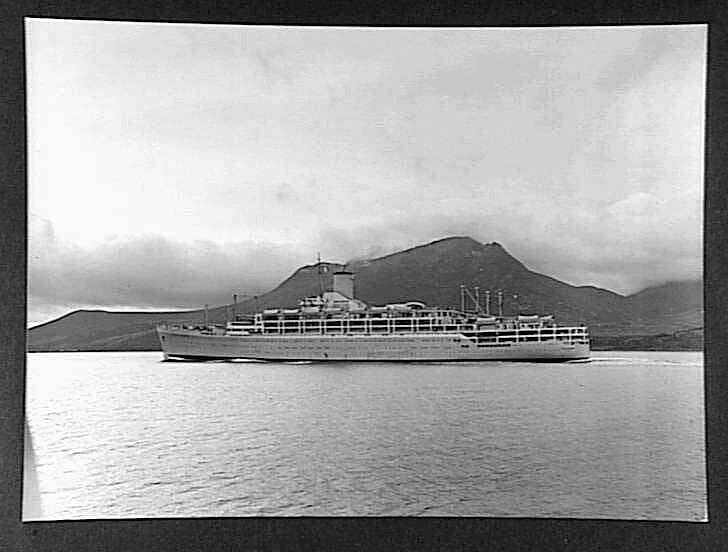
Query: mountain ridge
x=429, y=272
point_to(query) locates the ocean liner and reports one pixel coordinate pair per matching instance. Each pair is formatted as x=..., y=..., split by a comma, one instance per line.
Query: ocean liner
x=334, y=325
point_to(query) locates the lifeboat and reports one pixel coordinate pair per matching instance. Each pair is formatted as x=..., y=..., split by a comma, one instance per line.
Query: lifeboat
x=486, y=320
x=528, y=318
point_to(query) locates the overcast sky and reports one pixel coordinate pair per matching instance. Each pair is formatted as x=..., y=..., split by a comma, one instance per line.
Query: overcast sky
x=171, y=165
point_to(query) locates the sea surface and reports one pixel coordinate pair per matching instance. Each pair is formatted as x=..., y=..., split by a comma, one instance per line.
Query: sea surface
x=116, y=435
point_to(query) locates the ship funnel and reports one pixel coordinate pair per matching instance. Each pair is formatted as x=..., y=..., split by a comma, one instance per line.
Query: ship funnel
x=344, y=283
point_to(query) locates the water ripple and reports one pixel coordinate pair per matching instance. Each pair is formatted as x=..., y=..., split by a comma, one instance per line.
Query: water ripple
x=123, y=435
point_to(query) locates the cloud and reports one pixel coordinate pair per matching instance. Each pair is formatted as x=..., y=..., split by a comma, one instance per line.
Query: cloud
x=225, y=157
x=149, y=271
x=625, y=245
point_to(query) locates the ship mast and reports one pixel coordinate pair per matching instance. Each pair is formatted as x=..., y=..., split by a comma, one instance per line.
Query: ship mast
x=320, y=276
x=465, y=294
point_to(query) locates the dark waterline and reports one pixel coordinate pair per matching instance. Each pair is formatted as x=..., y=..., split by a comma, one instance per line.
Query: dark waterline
x=126, y=435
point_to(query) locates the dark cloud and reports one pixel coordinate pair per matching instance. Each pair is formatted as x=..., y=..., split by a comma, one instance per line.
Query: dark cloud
x=153, y=272
x=149, y=271
x=607, y=248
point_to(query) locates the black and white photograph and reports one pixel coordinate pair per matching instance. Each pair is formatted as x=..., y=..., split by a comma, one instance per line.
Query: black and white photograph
x=296, y=271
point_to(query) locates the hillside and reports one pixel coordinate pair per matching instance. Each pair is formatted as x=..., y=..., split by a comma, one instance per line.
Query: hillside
x=101, y=330
x=431, y=273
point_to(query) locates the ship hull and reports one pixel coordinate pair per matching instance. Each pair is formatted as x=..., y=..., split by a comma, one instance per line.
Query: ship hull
x=181, y=344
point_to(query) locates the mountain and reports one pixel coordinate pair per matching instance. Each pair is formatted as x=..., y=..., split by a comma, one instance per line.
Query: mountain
x=99, y=330
x=431, y=273
x=668, y=308
x=670, y=298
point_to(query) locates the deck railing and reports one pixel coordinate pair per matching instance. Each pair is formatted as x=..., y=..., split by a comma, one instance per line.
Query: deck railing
x=394, y=326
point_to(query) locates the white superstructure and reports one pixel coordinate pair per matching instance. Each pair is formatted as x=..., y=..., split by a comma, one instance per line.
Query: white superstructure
x=337, y=326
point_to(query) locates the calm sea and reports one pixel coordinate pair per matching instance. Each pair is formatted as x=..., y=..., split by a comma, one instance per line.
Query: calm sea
x=118, y=435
